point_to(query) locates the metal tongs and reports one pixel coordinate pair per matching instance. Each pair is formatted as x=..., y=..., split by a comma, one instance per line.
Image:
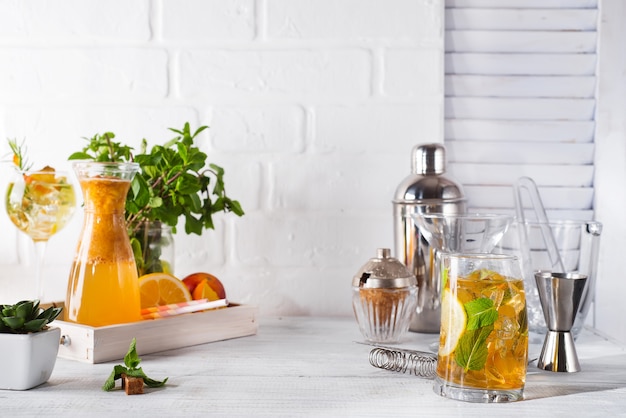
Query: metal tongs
x=553, y=251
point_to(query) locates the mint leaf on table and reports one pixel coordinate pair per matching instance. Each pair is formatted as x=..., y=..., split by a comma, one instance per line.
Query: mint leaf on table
x=151, y=383
x=471, y=353
x=480, y=313
x=131, y=368
x=115, y=374
x=131, y=359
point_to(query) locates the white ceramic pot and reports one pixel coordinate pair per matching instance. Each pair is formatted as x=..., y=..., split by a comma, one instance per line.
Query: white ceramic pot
x=27, y=360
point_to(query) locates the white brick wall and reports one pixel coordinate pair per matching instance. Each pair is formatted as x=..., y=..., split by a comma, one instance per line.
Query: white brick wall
x=314, y=106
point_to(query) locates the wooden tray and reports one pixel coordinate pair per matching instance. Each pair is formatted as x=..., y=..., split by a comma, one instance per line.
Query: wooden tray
x=101, y=344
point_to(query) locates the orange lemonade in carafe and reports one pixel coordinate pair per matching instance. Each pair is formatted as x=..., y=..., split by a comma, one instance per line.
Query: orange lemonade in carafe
x=103, y=286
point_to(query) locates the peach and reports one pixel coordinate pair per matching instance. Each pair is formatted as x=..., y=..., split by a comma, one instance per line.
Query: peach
x=193, y=282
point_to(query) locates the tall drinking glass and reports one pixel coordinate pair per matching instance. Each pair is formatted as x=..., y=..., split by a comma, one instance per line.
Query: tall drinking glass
x=40, y=204
x=451, y=233
x=483, y=342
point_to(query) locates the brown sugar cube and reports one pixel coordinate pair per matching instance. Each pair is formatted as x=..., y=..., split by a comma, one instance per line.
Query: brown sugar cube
x=132, y=385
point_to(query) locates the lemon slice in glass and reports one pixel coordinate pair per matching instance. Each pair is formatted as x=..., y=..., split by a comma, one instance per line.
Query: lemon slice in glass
x=453, y=321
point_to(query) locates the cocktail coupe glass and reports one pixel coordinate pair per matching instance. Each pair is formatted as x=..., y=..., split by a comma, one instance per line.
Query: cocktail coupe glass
x=469, y=233
x=40, y=204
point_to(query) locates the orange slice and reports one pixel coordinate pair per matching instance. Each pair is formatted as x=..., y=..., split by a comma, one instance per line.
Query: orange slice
x=46, y=175
x=158, y=289
x=204, y=291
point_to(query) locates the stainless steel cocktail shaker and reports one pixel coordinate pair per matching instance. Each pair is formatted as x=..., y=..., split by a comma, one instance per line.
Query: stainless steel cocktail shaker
x=426, y=190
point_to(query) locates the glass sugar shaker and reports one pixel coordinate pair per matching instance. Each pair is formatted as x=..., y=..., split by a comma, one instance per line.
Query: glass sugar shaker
x=384, y=297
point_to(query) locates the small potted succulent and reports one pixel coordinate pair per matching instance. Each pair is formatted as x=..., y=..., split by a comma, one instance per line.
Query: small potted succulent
x=28, y=345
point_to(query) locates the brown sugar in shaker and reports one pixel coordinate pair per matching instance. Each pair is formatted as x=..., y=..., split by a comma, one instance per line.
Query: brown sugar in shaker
x=384, y=296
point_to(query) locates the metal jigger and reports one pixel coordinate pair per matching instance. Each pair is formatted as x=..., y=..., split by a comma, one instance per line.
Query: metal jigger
x=560, y=295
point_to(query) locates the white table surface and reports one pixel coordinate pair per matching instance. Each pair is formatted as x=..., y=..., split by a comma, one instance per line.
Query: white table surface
x=309, y=366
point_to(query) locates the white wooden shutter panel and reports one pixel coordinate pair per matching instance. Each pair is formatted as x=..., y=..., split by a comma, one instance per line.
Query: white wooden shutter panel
x=520, y=89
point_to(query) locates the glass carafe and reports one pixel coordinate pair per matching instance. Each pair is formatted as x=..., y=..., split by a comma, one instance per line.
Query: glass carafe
x=103, y=287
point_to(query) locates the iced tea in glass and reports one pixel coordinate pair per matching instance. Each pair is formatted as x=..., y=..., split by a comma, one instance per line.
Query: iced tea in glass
x=483, y=343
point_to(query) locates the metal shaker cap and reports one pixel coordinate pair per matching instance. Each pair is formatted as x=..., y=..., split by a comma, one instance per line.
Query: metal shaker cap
x=385, y=272
x=428, y=183
x=428, y=159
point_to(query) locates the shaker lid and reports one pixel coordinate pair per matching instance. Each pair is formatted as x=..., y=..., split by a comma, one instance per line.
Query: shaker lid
x=384, y=271
x=428, y=159
x=428, y=182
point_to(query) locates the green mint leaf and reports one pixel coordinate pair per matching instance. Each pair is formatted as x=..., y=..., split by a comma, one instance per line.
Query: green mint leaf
x=219, y=204
x=236, y=208
x=155, y=202
x=80, y=156
x=480, y=313
x=200, y=129
x=194, y=203
x=115, y=374
x=523, y=321
x=219, y=171
x=131, y=359
x=192, y=225
x=138, y=372
x=151, y=383
x=471, y=353
x=183, y=151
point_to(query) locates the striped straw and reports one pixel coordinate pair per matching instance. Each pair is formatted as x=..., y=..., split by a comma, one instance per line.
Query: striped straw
x=181, y=308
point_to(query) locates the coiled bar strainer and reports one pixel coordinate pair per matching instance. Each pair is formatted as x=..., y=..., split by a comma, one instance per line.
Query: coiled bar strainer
x=417, y=363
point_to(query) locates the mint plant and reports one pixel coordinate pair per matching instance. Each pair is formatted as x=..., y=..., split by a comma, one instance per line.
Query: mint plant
x=174, y=182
